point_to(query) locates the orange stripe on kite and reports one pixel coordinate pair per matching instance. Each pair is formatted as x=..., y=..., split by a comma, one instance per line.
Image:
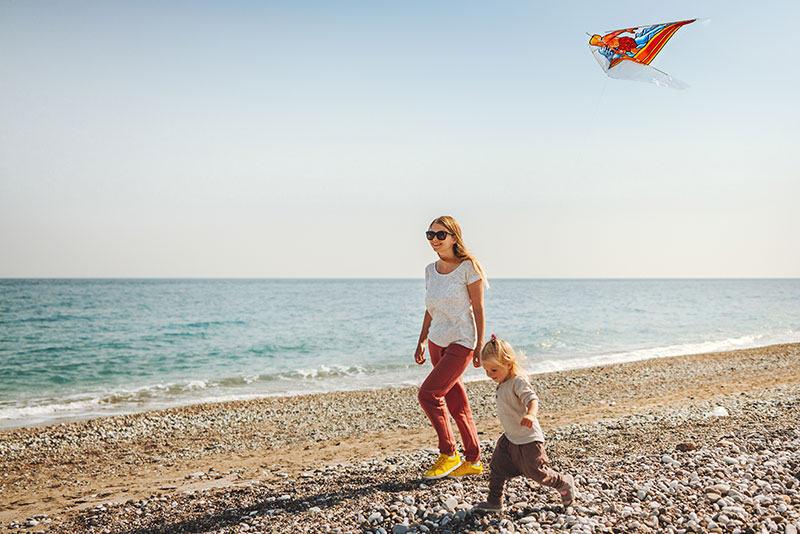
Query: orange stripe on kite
x=648, y=53
x=651, y=50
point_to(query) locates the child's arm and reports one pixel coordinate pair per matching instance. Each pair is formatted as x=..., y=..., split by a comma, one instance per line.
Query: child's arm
x=530, y=417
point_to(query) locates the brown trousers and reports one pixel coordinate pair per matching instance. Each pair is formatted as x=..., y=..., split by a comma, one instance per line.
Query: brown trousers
x=509, y=461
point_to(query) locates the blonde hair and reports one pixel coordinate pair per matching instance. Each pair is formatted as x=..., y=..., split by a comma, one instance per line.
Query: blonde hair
x=501, y=351
x=459, y=248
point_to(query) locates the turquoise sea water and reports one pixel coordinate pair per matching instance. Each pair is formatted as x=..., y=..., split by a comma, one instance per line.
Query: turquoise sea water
x=73, y=349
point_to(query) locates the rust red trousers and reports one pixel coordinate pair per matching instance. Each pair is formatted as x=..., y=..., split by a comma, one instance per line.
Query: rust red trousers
x=445, y=387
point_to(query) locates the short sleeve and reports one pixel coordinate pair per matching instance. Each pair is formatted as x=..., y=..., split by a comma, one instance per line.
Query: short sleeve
x=427, y=275
x=472, y=274
x=524, y=391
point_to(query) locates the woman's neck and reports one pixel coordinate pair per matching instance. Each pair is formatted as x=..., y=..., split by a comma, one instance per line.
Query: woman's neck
x=449, y=259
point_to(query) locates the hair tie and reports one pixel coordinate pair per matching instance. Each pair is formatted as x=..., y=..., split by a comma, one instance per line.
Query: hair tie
x=494, y=339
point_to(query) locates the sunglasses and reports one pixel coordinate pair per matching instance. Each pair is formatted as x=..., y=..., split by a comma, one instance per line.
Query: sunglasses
x=441, y=235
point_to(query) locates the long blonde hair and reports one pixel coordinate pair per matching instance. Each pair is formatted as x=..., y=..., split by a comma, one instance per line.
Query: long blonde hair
x=501, y=351
x=459, y=248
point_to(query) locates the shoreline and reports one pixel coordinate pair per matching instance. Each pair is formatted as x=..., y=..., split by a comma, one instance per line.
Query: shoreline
x=562, y=366
x=62, y=473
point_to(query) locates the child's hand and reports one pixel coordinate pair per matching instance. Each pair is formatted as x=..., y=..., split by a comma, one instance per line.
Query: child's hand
x=527, y=421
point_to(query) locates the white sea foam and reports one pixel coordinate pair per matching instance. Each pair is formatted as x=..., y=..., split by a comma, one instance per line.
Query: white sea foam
x=324, y=378
x=579, y=362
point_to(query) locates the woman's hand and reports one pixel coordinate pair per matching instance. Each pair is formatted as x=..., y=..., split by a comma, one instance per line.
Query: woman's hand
x=419, y=354
x=476, y=354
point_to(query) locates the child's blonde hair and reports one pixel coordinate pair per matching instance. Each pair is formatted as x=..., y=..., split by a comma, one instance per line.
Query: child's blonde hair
x=459, y=248
x=502, y=352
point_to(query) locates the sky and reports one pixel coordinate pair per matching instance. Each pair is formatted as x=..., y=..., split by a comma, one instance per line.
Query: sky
x=319, y=139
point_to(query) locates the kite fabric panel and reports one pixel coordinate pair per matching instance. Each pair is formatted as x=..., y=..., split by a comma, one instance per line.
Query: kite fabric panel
x=626, y=54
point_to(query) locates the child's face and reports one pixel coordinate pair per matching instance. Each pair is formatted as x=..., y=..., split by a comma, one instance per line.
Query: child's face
x=494, y=370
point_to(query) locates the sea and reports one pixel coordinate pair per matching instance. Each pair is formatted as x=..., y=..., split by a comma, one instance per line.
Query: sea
x=73, y=349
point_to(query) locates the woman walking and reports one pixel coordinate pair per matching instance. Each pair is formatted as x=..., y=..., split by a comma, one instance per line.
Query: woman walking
x=453, y=328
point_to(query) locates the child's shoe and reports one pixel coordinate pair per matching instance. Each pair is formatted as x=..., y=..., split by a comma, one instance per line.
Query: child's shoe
x=487, y=506
x=443, y=466
x=467, y=468
x=567, y=491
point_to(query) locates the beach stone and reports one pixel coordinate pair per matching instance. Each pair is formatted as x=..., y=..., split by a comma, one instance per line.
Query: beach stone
x=738, y=511
x=718, y=411
x=722, y=489
x=685, y=446
x=400, y=529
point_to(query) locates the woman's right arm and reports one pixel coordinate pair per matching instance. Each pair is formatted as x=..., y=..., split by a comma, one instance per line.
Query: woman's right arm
x=419, y=353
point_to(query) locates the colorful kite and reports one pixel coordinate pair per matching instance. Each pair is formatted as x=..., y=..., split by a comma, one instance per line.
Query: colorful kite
x=626, y=54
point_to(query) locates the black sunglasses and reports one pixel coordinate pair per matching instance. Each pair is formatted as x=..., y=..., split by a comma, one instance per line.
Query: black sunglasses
x=441, y=235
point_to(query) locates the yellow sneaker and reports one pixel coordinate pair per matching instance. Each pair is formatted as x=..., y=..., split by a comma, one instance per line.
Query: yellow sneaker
x=443, y=466
x=467, y=468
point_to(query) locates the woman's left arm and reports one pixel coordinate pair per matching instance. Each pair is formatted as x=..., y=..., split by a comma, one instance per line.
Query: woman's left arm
x=475, y=290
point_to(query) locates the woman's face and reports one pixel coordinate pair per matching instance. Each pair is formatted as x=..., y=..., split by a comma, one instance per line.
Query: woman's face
x=441, y=245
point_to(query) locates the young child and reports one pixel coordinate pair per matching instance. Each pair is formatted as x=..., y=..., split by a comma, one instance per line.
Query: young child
x=520, y=450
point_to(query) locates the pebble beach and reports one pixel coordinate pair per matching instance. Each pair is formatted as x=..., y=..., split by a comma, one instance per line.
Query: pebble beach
x=698, y=443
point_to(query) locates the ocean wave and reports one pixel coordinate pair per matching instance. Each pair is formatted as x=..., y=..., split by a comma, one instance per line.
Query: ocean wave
x=208, y=324
x=317, y=379
x=323, y=371
x=126, y=400
x=56, y=318
x=748, y=341
x=36, y=413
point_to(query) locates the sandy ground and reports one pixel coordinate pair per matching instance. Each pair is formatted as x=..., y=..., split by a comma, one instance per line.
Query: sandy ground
x=60, y=470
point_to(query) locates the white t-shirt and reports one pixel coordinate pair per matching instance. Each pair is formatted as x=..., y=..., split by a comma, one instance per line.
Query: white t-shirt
x=447, y=301
x=513, y=397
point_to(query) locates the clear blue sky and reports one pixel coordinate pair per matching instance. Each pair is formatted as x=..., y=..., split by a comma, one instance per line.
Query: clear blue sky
x=296, y=139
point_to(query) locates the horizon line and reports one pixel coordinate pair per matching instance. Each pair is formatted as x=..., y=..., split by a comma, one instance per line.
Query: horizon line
x=395, y=278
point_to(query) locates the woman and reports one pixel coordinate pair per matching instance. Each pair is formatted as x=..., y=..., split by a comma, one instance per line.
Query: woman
x=453, y=327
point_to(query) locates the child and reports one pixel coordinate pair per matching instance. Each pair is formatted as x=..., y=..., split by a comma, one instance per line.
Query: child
x=520, y=450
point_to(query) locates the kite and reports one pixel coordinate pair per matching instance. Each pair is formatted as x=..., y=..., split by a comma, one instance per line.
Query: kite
x=626, y=54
